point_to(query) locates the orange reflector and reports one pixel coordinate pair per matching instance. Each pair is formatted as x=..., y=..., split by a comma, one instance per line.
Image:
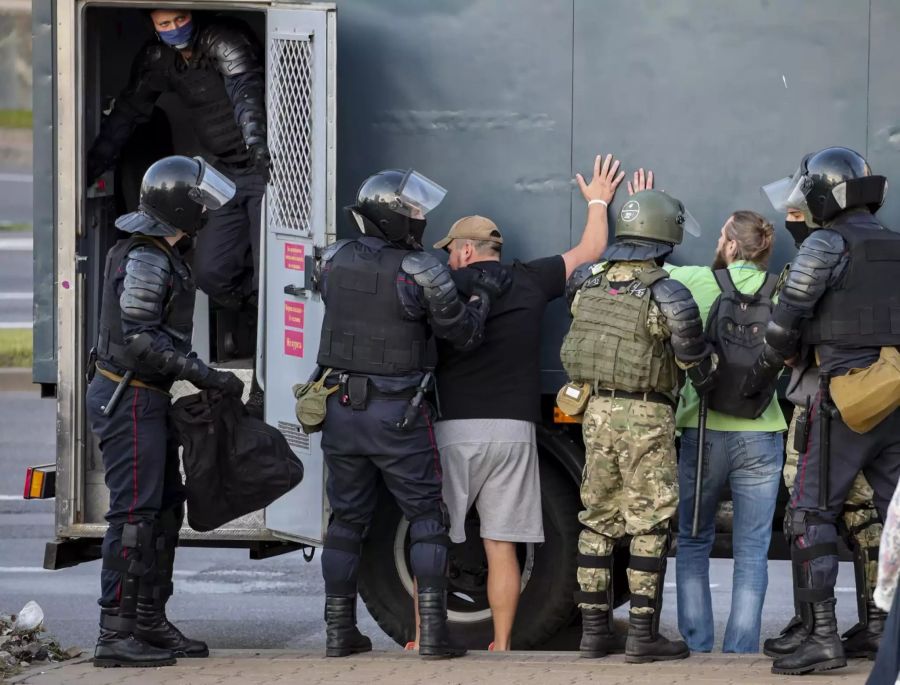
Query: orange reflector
x=40, y=482
x=559, y=416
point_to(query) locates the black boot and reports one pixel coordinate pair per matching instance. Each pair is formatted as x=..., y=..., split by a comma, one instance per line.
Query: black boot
x=342, y=637
x=645, y=644
x=791, y=636
x=154, y=628
x=822, y=649
x=862, y=640
x=598, y=636
x=117, y=645
x=434, y=637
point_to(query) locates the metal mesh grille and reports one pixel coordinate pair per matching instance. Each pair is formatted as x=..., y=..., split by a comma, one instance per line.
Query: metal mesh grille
x=290, y=137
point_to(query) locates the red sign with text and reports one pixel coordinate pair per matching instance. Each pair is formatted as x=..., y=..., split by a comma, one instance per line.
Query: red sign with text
x=294, y=254
x=293, y=343
x=293, y=315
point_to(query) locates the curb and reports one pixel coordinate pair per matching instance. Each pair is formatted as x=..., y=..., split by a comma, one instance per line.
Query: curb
x=16, y=380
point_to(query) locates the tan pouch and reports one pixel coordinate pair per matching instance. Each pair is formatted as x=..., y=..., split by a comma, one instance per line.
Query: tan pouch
x=572, y=398
x=865, y=397
x=312, y=402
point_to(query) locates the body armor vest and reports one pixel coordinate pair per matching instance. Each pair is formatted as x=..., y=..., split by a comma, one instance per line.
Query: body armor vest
x=864, y=310
x=365, y=329
x=617, y=340
x=178, y=311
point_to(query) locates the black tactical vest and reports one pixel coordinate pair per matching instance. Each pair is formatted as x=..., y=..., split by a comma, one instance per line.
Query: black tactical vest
x=178, y=319
x=365, y=330
x=864, y=310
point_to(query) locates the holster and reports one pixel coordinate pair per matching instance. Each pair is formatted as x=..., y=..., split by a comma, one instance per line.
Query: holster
x=358, y=392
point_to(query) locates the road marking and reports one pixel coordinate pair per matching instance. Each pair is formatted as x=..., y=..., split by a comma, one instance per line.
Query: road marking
x=17, y=244
x=16, y=178
x=10, y=498
x=15, y=296
x=22, y=569
x=16, y=324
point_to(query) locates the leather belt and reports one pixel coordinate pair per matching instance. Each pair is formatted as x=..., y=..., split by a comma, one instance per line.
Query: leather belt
x=658, y=397
x=135, y=383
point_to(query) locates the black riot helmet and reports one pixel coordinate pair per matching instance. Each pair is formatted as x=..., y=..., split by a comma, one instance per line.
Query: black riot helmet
x=827, y=183
x=392, y=204
x=174, y=192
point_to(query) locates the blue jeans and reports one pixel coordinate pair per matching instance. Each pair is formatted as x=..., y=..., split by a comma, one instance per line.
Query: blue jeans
x=750, y=462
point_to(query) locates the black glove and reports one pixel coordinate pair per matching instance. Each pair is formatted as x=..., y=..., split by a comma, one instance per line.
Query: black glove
x=225, y=381
x=703, y=376
x=95, y=168
x=259, y=157
x=492, y=284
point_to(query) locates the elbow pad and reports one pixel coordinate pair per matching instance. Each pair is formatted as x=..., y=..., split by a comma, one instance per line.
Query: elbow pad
x=445, y=309
x=683, y=320
x=764, y=373
x=811, y=271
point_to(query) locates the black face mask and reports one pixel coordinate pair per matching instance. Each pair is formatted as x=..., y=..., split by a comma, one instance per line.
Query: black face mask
x=416, y=232
x=798, y=229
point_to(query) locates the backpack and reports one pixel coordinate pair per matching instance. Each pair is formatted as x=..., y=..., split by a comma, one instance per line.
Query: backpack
x=736, y=327
x=234, y=464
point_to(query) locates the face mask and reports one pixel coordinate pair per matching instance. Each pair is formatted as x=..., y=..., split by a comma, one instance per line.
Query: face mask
x=178, y=38
x=798, y=229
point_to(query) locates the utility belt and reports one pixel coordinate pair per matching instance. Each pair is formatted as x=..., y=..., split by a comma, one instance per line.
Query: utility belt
x=134, y=382
x=573, y=397
x=355, y=391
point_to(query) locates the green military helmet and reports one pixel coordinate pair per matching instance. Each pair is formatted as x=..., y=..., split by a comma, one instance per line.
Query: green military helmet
x=653, y=215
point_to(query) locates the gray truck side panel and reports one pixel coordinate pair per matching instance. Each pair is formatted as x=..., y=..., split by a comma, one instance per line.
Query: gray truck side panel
x=43, y=25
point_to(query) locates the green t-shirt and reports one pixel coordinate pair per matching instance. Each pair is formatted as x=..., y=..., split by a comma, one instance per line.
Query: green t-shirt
x=702, y=284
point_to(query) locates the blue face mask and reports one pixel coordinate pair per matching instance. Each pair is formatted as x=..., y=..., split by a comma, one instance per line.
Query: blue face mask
x=178, y=38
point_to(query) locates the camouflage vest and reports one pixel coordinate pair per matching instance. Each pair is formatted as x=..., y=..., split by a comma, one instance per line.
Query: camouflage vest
x=618, y=339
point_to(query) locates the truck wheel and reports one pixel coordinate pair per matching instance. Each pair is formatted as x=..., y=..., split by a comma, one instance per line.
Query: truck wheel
x=548, y=573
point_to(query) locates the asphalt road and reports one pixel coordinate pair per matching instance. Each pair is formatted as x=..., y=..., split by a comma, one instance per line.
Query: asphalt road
x=15, y=249
x=221, y=595
x=15, y=194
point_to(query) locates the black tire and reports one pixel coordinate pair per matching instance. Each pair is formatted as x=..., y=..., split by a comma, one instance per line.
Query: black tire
x=546, y=605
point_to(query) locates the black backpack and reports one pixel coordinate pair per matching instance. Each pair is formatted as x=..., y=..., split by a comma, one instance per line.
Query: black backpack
x=234, y=464
x=736, y=327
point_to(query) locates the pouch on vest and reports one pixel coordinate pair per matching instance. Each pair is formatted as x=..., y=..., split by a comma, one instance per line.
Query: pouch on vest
x=572, y=398
x=312, y=403
x=865, y=397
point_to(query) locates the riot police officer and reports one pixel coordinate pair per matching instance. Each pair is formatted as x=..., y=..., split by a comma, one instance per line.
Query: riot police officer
x=215, y=68
x=382, y=294
x=837, y=308
x=146, y=321
x=633, y=331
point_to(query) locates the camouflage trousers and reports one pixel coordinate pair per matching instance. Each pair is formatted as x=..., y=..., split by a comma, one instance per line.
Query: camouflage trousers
x=861, y=528
x=629, y=487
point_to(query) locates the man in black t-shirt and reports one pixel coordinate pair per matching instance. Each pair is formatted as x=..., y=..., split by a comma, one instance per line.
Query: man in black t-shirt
x=490, y=399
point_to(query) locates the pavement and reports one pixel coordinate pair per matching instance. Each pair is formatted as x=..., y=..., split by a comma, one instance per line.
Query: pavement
x=248, y=667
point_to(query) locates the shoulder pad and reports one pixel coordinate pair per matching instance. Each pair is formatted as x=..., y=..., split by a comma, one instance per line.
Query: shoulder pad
x=331, y=250
x=151, y=56
x=823, y=240
x=147, y=276
x=578, y=278
x=419, y=262
x=230, y=44
x=669, y=290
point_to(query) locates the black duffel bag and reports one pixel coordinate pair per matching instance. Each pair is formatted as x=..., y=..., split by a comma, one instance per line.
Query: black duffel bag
x=233, y=463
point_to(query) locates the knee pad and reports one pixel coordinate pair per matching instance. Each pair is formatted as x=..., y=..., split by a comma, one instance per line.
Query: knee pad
x=430, y=527
x=344, y=536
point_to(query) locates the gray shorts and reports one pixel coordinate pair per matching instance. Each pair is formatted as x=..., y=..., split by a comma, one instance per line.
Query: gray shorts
x=493, y=464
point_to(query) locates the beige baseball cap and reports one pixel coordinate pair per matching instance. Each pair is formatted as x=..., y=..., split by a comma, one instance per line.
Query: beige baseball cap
x=471, y=228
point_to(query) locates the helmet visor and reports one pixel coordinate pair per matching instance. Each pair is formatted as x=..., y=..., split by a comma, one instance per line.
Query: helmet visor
x=789, y=192
x=689, y=223
x=214, y=189
x=418, y=195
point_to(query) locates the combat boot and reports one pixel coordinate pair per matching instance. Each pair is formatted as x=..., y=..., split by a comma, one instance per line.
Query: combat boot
x=434, y=636
x=862, y=640
x=154, y=628
x=790, y=638
x=117, y=645
x=342, y=637
x=644, y=643
x=822, y=650
x=598, y=636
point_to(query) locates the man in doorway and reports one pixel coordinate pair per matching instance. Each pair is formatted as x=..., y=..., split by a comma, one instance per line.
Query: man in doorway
x=490, y=399
x=215, y=67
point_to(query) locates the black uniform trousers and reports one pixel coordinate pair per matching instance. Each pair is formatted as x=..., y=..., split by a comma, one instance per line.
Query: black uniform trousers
x=226, y=258
x=876, y=454
x=140, y=459
x=359, y=445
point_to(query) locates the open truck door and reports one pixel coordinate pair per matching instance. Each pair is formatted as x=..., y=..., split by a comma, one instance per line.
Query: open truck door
x=299, y=222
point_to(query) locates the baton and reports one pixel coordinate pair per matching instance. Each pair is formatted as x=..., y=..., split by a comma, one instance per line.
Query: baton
x=413, y=408
x=698, y=476
x=117, y=393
